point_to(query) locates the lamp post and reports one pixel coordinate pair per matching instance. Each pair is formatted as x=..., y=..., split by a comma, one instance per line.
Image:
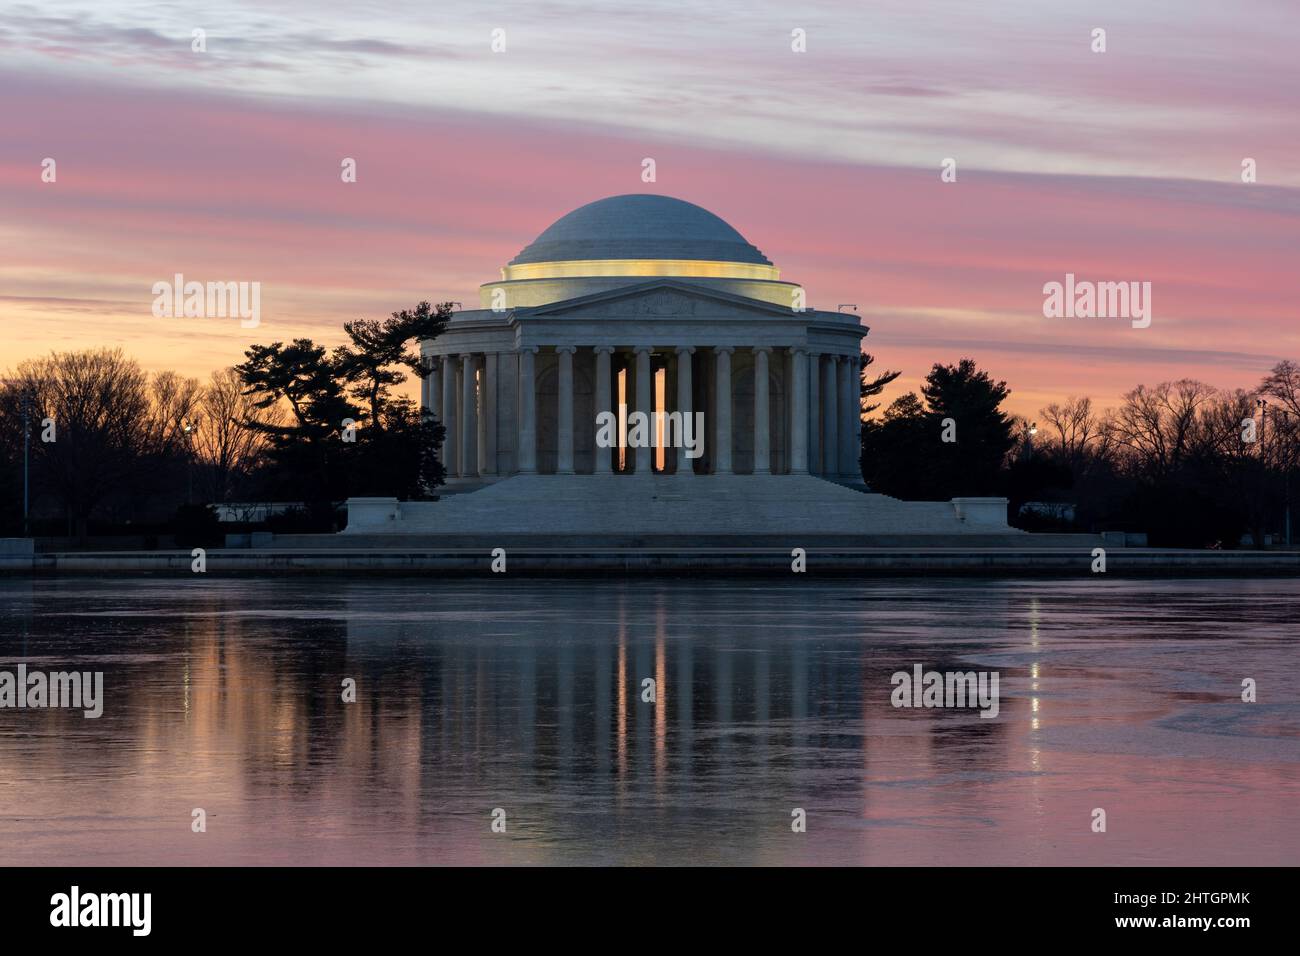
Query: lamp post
x=188, y=428
x=1027, y=445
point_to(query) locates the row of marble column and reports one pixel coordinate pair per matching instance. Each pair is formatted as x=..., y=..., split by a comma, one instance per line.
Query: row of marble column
x=823, y=390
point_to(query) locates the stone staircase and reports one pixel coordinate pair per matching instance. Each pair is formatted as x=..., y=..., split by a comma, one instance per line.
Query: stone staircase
x=659, y=505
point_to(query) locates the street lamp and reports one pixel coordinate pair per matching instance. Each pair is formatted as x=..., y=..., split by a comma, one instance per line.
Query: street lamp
x=189, y=428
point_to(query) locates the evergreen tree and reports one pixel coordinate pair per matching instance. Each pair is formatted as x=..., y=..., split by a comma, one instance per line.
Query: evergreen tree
x=906, y=454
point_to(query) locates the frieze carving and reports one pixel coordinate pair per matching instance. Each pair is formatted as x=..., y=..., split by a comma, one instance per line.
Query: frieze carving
x=658, y=304
x=664, y=302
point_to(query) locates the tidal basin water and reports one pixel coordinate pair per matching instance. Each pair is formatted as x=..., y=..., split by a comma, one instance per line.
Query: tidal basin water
x=772, y=695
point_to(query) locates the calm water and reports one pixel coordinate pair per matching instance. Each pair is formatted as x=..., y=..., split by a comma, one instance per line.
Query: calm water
x=474, y=695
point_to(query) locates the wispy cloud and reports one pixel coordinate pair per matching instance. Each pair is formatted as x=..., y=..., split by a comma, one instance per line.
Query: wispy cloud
x=1185, y=89
x=226, y=164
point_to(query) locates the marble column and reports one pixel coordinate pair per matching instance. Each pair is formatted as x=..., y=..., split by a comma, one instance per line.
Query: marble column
x=685, y=399
x=722, y=383
x=762, y=427
x=798, y=412
x=433, y=387
x=564, y=419
x=644, y=404
x=830, y=418
x=527, y=412
x=449, y=445
x=487, y=427
x=814, y=413
x=850, y=443
x=469, y=416
x=604, y=390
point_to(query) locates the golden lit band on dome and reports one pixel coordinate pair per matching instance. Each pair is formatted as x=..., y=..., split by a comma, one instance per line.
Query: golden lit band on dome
x=587, y=268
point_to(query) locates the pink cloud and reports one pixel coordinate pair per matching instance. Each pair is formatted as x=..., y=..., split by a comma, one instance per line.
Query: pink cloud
x=151, y=183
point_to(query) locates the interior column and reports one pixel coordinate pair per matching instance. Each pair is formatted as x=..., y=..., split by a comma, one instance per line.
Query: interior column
x=814, y=413
x=449, y=415
x=564, y=427
x=685, y=464
x=762, y=428
x=487, y=427
x=830, y=420
x=433, y=388
x=604, y=390
x=644, y=382
x=469, y=416
x=722, y=377
x=799, y=412
x=527, y=413
x=850, y=421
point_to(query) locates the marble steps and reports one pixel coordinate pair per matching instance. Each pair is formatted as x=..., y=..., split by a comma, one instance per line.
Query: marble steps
x=670, y=504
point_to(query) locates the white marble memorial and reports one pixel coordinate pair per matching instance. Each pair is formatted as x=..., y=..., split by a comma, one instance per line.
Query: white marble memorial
x=648, y=303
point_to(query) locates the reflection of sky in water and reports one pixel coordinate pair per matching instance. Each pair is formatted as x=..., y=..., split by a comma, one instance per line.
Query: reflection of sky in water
x=527, y=695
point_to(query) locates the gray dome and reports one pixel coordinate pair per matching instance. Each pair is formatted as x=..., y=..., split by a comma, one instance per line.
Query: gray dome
x=640, y=226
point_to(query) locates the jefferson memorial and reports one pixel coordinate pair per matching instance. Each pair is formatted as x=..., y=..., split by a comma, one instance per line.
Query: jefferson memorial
x=645, y=303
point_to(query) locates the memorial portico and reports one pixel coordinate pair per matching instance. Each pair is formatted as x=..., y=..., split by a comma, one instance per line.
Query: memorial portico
x=489, y=439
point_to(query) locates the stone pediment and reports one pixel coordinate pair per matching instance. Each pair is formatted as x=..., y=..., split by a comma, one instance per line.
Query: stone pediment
x=659, y=299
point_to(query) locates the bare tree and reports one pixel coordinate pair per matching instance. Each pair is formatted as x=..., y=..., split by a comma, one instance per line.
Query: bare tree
x=1280, y=427
x=174, y=402
x=1283, y=384
x=1155, y=426
x=1221, y=433
x=1080, y=434
x=94, y=410
x=224, y=440
x=1230, y=447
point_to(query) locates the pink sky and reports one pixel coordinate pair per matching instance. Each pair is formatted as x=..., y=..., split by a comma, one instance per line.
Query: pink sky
x=1120, y=169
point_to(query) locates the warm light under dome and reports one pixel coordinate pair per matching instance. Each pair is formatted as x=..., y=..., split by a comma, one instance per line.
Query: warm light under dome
x=586, y=268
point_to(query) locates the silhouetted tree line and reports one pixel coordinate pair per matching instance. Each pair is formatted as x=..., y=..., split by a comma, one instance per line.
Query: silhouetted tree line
x=1188, y=464
x=112, y=447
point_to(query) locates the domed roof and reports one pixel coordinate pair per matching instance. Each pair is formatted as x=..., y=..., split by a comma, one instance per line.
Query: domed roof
x=640, y=226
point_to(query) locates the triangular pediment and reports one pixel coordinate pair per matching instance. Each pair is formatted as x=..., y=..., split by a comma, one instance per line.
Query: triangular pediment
x=658, y=298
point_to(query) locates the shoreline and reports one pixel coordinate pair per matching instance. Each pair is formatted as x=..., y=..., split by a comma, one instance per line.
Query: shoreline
x=765, y=561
